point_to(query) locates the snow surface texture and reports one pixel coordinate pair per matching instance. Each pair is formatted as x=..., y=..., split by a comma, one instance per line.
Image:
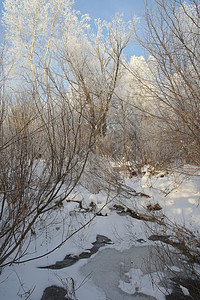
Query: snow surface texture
x=116, y=271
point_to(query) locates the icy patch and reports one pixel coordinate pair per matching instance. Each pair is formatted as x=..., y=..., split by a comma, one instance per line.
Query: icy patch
x=121, y=274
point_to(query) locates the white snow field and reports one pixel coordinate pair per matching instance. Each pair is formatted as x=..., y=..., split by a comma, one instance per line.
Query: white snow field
x=129, y=268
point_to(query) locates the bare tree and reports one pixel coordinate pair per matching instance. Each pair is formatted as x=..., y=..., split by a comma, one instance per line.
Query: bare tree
x=172, y=40
x=38, y=158
x=92, y=66
x=52, y=121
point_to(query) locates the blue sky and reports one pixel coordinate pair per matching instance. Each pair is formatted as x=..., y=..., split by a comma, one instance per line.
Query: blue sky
x=106, y=9
x=1, y=6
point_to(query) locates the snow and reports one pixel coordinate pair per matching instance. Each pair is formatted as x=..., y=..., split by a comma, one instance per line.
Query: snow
x=138, y=281
x=117, y=270
x=185, y=291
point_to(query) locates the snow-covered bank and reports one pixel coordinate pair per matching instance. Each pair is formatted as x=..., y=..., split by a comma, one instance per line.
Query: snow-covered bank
x=116, y=271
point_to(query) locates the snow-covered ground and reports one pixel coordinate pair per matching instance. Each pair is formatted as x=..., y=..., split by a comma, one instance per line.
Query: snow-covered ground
x=119, y=270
